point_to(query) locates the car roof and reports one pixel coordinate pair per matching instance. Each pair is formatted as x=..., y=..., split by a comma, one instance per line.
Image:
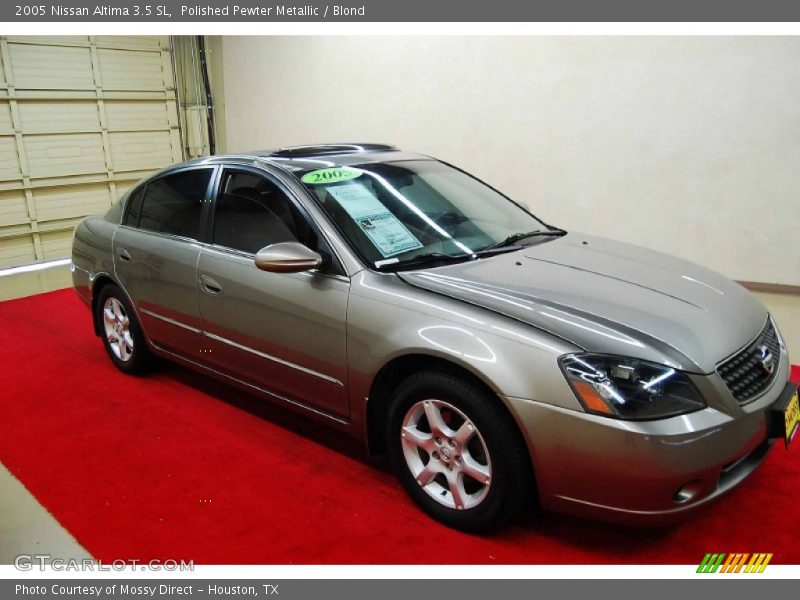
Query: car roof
x=294, y=159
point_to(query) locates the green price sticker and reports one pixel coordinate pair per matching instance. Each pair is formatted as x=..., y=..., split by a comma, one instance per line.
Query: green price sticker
x=332, y=175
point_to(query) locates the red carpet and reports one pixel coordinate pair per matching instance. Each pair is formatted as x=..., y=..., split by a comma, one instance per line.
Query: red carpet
x=177, y=466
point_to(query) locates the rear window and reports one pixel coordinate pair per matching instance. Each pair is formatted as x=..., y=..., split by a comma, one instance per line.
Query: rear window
x=173, y=204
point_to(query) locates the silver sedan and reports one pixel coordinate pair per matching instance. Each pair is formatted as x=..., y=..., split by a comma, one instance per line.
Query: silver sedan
x=496, y=359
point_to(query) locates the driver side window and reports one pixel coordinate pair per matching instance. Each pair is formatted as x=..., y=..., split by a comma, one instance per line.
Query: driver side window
x=252, y=212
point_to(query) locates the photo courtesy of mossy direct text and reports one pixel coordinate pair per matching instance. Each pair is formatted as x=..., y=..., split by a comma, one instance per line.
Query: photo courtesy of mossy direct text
x=124, y=589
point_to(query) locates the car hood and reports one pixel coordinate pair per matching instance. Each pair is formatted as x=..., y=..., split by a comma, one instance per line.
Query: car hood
x=607, y=296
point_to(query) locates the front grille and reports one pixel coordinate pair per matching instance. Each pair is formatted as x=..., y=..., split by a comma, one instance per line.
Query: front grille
x=745, y=373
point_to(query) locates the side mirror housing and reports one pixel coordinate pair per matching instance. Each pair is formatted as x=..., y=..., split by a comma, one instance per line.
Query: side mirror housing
x=287, y=257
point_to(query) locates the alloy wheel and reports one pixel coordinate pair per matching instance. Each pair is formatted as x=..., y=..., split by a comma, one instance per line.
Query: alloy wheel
x=117, y=329
x=446, y=454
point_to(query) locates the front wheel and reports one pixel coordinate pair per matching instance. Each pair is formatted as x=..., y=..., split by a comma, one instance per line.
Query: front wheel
x=457, y=451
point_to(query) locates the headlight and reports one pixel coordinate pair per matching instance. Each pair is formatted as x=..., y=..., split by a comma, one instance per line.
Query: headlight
x=628, y=388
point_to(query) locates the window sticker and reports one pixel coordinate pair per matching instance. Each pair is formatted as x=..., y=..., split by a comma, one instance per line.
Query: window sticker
x=332, y=175
x=383, y=229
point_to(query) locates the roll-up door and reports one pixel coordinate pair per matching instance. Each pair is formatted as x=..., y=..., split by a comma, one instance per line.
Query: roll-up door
x=81, y=120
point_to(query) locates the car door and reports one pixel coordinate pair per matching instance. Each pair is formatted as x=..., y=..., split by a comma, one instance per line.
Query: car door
x=156, y=249
x=282, y=332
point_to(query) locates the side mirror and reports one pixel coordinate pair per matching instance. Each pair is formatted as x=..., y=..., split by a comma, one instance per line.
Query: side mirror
x=287, y=257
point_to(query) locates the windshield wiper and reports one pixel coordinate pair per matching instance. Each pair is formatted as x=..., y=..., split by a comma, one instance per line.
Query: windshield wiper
x=518, y=237
x=509, y=243
x=427, y=259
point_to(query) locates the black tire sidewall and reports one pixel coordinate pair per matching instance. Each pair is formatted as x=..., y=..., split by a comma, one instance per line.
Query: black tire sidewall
x=494, y=425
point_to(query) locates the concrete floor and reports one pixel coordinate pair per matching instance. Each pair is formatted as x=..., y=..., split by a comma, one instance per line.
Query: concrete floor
x=27, y=528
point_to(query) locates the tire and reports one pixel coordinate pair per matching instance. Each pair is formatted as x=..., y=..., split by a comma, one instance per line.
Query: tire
x=121, y=332
x=469, y=470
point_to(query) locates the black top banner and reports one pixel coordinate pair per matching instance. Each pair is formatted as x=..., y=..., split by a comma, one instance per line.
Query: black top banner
x=405, y=10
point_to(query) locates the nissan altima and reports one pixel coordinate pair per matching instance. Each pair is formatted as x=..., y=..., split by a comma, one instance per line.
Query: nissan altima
x=498, y=360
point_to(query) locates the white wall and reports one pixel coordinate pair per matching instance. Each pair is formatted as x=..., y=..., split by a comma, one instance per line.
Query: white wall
x=686, y=145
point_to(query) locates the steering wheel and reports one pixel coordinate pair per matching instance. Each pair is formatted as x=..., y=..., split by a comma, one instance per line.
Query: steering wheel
x=448, y=219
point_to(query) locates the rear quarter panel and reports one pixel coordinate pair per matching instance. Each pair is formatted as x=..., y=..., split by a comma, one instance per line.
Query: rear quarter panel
x=92, y=254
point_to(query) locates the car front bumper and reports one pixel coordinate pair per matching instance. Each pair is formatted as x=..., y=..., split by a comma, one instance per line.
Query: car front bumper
x=647, y=472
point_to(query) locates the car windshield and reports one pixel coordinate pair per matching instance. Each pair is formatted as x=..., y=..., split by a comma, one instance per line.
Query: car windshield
x=407, y=212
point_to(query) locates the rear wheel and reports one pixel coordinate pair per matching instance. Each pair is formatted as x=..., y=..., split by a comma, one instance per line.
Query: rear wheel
x=456, y=451
x=121, y=332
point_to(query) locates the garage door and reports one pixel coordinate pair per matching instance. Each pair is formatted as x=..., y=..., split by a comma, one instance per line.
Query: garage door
x=81, y=120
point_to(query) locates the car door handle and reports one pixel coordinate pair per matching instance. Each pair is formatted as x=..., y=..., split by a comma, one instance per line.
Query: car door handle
x=210, y=286
x=124, y=254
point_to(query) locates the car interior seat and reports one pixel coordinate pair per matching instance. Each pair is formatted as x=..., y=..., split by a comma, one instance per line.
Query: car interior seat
x=244, y=221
